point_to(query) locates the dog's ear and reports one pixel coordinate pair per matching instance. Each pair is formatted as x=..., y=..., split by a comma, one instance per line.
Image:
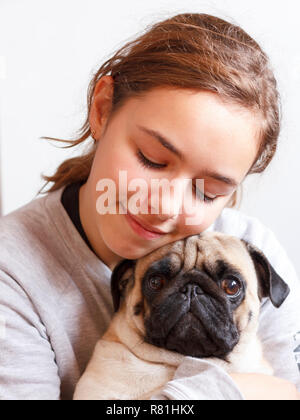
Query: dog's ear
x=270, y=283
x=120, y=277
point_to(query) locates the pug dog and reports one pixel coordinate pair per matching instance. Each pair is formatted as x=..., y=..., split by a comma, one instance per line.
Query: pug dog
x=198, y=297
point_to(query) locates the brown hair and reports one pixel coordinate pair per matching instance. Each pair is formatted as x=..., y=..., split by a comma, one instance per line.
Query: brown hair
x=194, y=51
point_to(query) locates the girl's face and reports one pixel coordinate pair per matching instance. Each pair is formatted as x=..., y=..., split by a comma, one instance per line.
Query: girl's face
x=186, y=135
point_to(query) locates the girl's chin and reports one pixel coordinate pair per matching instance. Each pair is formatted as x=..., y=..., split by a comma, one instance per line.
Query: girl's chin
x=125, y=253
x=122, y=239
x=122, y=244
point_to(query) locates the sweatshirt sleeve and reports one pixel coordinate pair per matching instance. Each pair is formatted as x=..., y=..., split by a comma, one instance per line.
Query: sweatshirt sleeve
x=199, y=379
x=27, y=362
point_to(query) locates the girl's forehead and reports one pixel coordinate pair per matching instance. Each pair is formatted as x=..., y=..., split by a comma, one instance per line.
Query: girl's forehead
x=191, y=114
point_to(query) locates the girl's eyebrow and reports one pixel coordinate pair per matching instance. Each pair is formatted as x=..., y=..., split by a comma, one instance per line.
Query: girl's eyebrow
x=165, y=142
x=168, y=145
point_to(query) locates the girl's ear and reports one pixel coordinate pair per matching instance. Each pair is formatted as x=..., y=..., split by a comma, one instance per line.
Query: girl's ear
x=270, y=283
x=101, y=106
x=122, y=273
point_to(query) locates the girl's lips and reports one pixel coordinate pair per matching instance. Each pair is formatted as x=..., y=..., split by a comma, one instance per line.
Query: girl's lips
x=144, y=225
x=140, y=230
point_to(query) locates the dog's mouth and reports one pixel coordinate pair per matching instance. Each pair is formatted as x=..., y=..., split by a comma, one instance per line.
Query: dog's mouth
x=198, y=328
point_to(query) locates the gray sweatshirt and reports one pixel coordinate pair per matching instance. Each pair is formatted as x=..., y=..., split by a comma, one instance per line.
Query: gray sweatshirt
x=55, y=304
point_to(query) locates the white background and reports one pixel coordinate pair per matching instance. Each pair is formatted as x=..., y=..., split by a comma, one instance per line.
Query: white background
x=50, y=49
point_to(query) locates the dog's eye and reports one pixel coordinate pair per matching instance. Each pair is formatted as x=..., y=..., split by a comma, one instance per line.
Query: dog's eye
x=232, y=287
x=156, y=282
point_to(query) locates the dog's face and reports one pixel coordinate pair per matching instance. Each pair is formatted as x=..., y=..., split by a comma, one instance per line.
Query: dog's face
x=198, y=295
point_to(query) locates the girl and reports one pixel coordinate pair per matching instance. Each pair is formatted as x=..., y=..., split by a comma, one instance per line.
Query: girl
x=191, y=98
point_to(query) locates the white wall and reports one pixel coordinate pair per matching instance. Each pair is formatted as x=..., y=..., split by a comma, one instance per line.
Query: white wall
x=51, y=48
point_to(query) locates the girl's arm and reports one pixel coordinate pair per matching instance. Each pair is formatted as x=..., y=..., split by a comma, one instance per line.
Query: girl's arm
x=197, y=379
x=27, y=362
x=264, y=387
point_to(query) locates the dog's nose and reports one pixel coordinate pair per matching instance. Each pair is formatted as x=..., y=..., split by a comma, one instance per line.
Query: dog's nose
x=191, y=289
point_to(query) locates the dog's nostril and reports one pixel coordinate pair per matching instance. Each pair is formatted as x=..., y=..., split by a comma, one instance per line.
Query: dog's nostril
x=183, y=289
x=198, y=290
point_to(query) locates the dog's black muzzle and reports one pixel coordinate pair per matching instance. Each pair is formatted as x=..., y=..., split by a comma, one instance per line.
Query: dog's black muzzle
x=193, y=317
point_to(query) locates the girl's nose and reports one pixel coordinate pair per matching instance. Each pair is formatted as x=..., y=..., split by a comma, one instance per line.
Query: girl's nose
x=164, y=217
x=171, y=205
x=168, y=210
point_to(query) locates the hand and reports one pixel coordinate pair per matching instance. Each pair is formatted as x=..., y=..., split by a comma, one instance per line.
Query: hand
x=255, y=386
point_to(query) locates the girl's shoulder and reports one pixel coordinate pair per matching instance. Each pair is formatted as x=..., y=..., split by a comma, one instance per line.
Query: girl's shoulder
x=237, y=223
x=29, y=223
x=22, y=227
x=33, y=238
x=250, y=228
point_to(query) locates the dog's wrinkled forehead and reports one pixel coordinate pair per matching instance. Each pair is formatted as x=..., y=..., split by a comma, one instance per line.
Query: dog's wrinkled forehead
x=207, y=248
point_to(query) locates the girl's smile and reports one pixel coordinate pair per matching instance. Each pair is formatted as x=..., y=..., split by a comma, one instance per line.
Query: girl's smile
x=141, y=229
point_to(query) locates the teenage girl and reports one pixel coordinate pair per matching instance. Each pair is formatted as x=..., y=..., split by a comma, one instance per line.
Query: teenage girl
x=193, y=97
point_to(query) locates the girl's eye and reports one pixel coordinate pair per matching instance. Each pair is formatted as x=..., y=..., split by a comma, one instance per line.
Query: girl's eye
x=204, y=197
x=146, y=163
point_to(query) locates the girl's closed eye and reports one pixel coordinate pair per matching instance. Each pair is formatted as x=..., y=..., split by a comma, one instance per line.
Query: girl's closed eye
x=146, y=163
